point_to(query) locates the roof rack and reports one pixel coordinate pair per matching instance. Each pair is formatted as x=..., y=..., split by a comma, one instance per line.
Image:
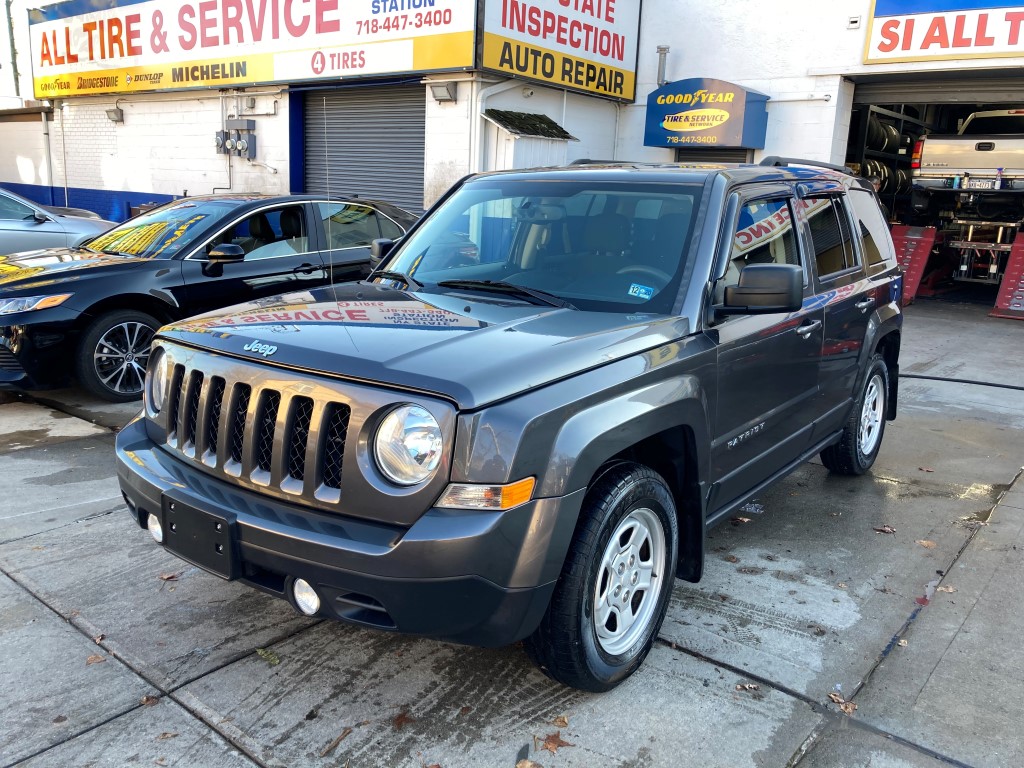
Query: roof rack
x=590, y=161
x=775, y=161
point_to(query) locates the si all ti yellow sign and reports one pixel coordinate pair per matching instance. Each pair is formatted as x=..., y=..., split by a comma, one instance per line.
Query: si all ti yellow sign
x=102, y=46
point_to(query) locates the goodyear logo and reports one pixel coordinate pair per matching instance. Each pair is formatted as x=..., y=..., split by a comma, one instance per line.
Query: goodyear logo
x=697, y=97
x=695, y=120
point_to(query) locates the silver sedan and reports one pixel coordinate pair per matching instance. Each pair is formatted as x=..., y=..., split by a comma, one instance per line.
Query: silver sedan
x=28, y=226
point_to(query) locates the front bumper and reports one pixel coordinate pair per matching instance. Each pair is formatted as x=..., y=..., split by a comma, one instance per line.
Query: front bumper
x=480, y=578
x=37, y=349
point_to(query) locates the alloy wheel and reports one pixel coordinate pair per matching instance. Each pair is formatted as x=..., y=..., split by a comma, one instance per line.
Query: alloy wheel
x=121, y=356
x=629, y=581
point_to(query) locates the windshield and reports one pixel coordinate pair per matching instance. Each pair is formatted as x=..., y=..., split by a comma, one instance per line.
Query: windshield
x=164, y=231
x=607, y=246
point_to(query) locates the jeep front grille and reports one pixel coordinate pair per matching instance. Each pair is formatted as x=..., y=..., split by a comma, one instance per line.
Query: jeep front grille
x=264, y=437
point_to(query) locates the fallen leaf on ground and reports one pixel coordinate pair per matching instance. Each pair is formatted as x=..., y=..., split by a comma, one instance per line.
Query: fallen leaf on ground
x=841, y=585
x=95, y=659
x=731, y=559
x=465, y=711
x=739, y=520
x=268, y=656
x=149, y=701
x=884, y=529
x=170, y=576
x=561, y=722
x=747, y=686
x=902, y=643
x=334, y=744
x=723, y=598
x=926, y=469
x=847, y=707
x=817, y=629
x=402, y=719
x=946, y=588
x=167, y=735
x=528, y=764
x=60, y=719
x=553, y=741
x=98, y=639
x=925, y=543
x=160, y=761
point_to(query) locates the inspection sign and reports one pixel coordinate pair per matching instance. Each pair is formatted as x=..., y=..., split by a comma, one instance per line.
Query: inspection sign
x=581, y=45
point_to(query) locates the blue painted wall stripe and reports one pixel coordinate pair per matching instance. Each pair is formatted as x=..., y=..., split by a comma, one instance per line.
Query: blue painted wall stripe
x=112, y=205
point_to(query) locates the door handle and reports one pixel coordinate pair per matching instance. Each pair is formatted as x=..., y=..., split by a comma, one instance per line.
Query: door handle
x=807, y=330
x=865, y=304
x=305, y=269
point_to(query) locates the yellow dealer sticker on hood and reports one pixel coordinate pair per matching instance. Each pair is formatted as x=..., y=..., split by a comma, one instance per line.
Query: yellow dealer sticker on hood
x=695, y=120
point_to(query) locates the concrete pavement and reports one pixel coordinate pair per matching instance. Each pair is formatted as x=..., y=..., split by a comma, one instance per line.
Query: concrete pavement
x=117, y=653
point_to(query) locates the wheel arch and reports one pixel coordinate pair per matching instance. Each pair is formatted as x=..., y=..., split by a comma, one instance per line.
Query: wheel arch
x=139, y=302
x=664, y=427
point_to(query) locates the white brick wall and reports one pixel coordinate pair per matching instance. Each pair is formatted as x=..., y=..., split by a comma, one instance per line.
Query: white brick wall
x=166, y=145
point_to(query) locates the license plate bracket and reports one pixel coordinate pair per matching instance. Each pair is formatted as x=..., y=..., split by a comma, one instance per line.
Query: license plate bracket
x=205, y=539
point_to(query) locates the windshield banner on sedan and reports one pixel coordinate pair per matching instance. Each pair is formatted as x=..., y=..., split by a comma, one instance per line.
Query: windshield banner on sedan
x=123, y=46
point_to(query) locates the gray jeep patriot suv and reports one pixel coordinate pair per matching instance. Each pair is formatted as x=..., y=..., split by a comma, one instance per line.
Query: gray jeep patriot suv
x=522, y=424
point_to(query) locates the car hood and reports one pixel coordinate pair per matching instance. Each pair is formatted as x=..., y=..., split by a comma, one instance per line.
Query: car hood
x=473, y=352
x=55, y=267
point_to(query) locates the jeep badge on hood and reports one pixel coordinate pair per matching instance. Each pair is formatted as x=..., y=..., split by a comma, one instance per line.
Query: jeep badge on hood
x=260, y=349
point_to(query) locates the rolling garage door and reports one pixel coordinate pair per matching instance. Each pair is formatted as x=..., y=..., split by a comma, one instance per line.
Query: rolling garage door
x=934, y=89
x=724, y=155
x=370, y=141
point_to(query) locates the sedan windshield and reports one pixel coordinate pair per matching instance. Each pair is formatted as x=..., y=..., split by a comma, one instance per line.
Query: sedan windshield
x=607, y=246
x=164, y=231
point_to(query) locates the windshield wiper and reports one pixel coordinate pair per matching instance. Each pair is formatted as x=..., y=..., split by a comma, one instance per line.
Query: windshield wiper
x=500, y=286
x=400, y=276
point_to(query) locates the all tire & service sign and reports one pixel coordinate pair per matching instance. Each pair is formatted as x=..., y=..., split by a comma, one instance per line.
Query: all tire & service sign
x=82, y=47
x=580, y=45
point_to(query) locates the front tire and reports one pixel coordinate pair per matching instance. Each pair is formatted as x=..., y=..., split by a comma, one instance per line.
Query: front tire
x=113, y=354
x=862, y=436
x=615, y=584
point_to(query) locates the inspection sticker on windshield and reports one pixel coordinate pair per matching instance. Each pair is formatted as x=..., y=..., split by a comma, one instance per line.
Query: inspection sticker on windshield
x=641, y=291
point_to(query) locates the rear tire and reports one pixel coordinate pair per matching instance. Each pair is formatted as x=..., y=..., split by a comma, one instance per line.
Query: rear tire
x=615, y=584
x=862, y=437
x=113, y=354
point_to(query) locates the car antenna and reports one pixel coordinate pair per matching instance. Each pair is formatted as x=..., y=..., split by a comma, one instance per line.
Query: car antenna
x=330, y=218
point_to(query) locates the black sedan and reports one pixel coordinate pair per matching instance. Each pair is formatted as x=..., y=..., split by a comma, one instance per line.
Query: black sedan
x=90, y=312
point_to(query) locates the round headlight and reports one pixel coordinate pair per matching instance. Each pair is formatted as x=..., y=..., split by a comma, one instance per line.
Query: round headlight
x=156, y=380
x=408, y=445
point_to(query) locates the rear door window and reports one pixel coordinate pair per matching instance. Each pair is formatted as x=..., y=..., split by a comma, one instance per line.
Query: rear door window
x=830, y=235
x=873, y=231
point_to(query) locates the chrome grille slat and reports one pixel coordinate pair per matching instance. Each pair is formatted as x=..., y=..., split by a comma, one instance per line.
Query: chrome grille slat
x=211, y=408
x=238, y=413
x=302, y=414
x=190, y=413
x=174, y=393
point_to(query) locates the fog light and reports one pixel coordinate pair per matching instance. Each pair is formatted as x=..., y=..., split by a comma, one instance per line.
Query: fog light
x=305, y=597
x=153, y=523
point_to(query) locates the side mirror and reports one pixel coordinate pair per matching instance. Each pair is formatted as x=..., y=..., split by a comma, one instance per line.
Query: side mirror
x=379, y=250
x=40, y=218
x=226, y=253
x=765, y=289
